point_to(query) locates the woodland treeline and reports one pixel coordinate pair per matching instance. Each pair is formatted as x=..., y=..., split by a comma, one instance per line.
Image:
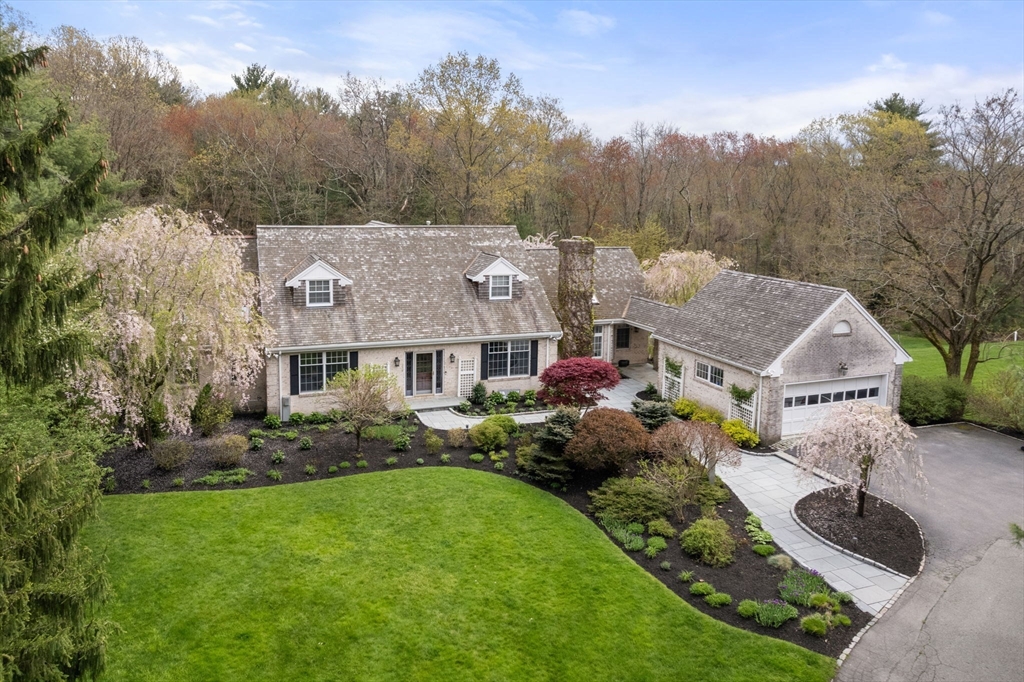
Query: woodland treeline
x=918, y=212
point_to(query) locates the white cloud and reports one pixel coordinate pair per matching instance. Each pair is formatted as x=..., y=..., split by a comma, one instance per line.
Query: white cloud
x=203, y=19
x=937, y=18
x=784, y=114
x=888, y=62
x=243, y=20
x=584, y=23
x=242, y=47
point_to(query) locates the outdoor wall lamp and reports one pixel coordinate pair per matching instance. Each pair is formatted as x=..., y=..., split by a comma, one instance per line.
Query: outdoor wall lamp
x=451, y=358
x=842, y=369
x=397, y=361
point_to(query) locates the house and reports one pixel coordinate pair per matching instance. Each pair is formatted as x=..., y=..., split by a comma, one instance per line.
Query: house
x=441, y=307
x=800, y=347
x=617, y=277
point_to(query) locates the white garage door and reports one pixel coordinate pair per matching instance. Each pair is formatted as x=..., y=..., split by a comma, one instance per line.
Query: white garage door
x=804, y=404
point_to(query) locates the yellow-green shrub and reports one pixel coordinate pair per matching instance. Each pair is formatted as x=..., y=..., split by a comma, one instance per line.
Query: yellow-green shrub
x=684, y=408
x=740, y=434
x=708, y=414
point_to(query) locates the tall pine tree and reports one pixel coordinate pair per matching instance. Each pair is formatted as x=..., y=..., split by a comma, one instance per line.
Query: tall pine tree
x=49, y=481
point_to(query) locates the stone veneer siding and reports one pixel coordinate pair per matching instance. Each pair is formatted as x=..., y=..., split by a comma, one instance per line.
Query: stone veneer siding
x=315, y=402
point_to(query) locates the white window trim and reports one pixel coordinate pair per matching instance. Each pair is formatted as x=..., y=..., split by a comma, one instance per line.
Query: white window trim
x=323, y=369
x=508, y=360
x=598, y=340
x=491, y=285
x=696, y=373
x=330, y=292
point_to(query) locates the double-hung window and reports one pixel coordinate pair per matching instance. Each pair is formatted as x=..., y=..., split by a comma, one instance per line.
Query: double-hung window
x=315, y=369
x=710, y=373
x=598, y=341
x=319, y=293
x=501, y=287
x=508, y=359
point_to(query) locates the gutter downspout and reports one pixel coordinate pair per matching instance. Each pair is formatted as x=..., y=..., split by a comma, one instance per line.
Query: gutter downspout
x=757, y=415
x=280, y=397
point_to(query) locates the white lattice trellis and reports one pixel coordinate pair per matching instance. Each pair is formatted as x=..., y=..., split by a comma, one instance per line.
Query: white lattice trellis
x=744, y=411
x=467, y=377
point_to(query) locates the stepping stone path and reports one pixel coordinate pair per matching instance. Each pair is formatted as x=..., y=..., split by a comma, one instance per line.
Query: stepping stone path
x=769, y=486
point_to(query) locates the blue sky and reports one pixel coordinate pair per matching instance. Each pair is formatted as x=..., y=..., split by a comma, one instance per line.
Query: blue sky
x=766, y=68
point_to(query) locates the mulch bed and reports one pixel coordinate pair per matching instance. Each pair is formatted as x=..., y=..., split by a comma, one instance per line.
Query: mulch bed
x=748, y=577
x=646, y=395
x=885, y=534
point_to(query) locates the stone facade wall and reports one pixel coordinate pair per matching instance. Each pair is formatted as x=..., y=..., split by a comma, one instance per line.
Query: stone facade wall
x=547, y=353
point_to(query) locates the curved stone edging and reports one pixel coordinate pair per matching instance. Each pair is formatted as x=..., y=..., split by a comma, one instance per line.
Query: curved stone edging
x=892, y=601
x=843, y=550
x=507, y=414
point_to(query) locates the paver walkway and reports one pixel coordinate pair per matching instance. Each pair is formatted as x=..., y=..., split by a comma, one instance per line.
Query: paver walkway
x=621, y=398
x=769, y=486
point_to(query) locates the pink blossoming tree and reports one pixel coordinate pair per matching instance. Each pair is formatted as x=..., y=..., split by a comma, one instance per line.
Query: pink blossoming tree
x=174, y=301
x=861, y=443
x=675, y=276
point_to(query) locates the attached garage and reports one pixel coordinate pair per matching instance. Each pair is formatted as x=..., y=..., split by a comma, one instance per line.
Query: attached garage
x=805, y=403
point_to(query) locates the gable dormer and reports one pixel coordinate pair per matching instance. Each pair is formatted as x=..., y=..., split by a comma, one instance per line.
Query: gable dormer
x=496, y=279
x=317, y=285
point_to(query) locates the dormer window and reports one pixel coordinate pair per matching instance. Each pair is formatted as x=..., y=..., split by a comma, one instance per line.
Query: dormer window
x=323, y=285
x=501, y=287
x=318, y=292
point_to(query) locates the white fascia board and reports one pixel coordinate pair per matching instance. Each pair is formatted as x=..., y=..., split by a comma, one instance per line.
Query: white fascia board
x=500, y=267
x=553, y=335
x=318, y=270
x=775, y=369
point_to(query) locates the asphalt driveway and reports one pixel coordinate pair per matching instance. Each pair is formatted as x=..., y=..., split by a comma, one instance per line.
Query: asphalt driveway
x=963, y=619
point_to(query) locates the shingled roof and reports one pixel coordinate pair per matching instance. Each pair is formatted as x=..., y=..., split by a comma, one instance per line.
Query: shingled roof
x=408, y=284
x=745, y=320
x=617, y=276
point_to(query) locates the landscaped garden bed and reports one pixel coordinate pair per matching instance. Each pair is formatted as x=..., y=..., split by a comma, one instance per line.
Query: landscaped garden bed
x=303, y=452
x=885, y=533
x=482, y=404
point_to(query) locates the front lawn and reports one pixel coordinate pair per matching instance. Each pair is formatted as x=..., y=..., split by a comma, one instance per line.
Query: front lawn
x=928, y=363
x=417, y=574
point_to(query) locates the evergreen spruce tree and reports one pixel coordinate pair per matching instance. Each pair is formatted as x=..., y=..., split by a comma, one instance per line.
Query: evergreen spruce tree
x=49, y=481
x=38, y=291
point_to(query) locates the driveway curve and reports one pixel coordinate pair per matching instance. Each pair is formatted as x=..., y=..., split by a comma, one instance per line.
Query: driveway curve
x=963, y=618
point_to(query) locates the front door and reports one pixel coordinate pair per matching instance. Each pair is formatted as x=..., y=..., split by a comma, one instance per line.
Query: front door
x=424, y=373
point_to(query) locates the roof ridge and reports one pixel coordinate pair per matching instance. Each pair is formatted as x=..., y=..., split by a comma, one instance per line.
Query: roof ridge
x=651, y=300
x=784, y=280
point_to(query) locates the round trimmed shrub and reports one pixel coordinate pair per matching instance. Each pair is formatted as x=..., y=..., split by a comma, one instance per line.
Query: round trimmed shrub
x=717, y=600
x=709, y=541
x=507, y=423
x=168, y=454
x=272, y=421
x=228, y=450
x=702, y=589
x=780, y=561
x=684, y=408
x=708, y=414
x=747, y=608
x=764, y=550
x=605, y=438
x=740, y=434
x=488, y=436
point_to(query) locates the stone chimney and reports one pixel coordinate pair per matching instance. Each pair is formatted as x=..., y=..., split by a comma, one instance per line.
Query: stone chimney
x=575, y=297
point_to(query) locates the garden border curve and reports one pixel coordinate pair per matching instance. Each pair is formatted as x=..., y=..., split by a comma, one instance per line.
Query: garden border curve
x=506, y=414
x=899, y=593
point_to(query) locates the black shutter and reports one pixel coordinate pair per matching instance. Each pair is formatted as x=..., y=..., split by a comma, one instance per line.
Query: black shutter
x=293, y=366
x=533, y=357
x=483, y=360
x=408, y=374
x=353, y=359
x=439, y=371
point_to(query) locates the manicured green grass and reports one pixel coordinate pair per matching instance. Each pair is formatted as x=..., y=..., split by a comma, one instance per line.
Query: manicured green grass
x=928, y=363
x=415, y=574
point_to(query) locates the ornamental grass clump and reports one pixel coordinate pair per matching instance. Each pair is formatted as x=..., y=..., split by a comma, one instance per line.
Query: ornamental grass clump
x=702, y=589
x=798, y=586
x=773, y=613
x=780, y=561
x=717, y=600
